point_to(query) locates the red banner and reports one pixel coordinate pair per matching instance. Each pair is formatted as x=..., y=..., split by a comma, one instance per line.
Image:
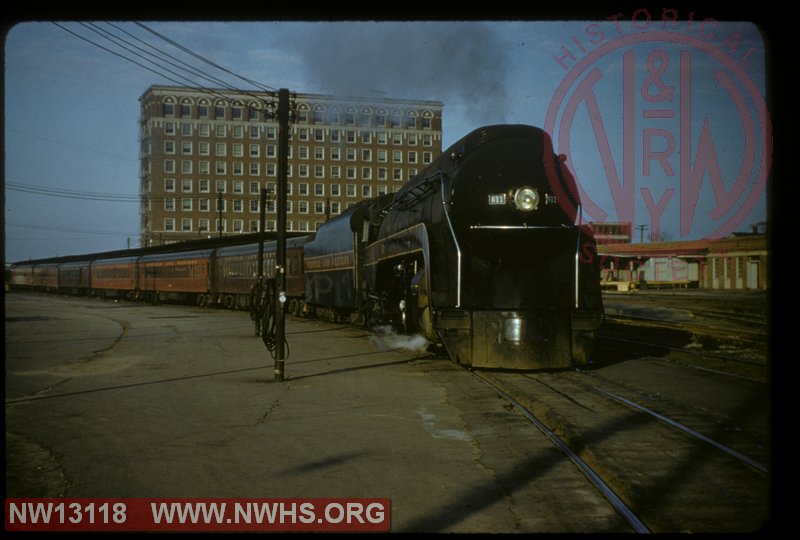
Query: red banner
x=209, y=515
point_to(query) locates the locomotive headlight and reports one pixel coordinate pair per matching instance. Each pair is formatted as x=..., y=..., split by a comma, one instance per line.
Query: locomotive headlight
x=526, y=199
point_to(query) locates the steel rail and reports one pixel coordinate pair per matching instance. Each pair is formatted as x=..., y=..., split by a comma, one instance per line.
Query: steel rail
x=593, y=477
x=680, y=427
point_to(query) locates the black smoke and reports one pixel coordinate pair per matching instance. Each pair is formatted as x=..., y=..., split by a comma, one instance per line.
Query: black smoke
x=462, y=64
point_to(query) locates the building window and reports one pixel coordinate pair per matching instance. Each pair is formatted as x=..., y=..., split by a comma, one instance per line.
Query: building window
x=255, y=150
x=319, y=190
x=366, y=137
x=238, y=225
x=169, y=109
x=427, y=157
x=169, y=165
x=221, y=186
x=169, y=147
x=335, y=136
x=203, y=149
x=169, y=128
x=412, y=157
x=272, y=132
x=366, y=154
x=204, y=205
x=412, y=139
x=204, y=130
x=204, y=185
x=255, y=169
x=351, y=173
x=397, y=138
x=336, y=190
x=237, y=113
x=319, y=171
x=237, y=206
x=397, y=175
x=238, y=187
x=202, y=111
x=302, y=207
x=336, y=171
x=238, y=150
x=169, y=204
x=221, y=167
x=238, y=168
x=186, y=166
x=219, y=113
x=186, y=129
x=303, y=189
x=351, y=190
x=319, y=207
x=383, y=173
x=319, y=134
x=186, y=148
x=220, y=149
x=220, y=130
x=336, y=154
x=366, y=191
x=203, y=167
x=335, y=208
x=238, y=131
x=203, y=224
x=319, y=152
x=169, y=184
x=169, y=224
x=366, y=173
x=254, y=132
x=397, y=156
x=351, y=154
x=186, y=205
x=186, y=185
x=254, y=206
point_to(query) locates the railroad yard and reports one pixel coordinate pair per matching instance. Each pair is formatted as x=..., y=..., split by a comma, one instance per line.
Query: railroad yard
x=666, y=431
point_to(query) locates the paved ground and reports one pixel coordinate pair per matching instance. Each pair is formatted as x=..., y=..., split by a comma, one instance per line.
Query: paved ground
x=108, y=399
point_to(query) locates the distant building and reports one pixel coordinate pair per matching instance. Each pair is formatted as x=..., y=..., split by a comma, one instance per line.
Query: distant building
x=206, y=155
x=611, y=232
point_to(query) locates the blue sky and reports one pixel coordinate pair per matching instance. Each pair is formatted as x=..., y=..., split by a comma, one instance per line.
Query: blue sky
x=72, y=108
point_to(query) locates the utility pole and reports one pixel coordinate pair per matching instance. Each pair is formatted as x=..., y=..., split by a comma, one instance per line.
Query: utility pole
x=280, y=255
x=641, y=229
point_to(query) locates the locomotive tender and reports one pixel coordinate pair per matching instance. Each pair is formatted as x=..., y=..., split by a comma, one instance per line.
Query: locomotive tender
x=479, y=253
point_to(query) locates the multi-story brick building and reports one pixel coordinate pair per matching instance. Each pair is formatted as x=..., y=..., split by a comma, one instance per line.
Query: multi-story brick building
x=206, y=155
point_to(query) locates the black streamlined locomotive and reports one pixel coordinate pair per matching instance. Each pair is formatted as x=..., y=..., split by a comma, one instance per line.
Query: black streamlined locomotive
x=480, y=252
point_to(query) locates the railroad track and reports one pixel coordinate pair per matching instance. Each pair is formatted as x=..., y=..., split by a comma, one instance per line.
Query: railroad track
x=664, y=466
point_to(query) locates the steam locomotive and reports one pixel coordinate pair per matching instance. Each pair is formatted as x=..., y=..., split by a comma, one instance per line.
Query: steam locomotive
x=479, y=253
